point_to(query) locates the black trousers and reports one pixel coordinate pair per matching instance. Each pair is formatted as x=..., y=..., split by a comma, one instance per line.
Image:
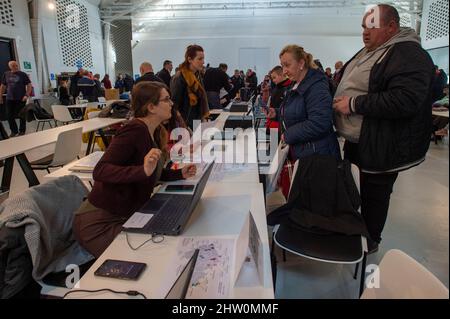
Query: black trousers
x=13, y=109
x=376, y=190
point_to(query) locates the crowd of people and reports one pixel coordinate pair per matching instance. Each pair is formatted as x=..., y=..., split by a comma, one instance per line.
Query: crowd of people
x=380, y=102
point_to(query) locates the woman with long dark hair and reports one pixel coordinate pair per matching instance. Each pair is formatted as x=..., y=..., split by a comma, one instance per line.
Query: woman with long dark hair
x=126, y=174
x=187, y=88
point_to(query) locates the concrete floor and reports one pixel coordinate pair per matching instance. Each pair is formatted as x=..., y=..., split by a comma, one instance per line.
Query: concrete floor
x=418, y=224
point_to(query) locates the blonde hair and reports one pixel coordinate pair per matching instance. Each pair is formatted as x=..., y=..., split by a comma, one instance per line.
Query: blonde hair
x=299, y=54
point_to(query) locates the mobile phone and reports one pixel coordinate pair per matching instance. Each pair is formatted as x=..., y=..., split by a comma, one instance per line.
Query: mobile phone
x=180, y=188
x=120, y=269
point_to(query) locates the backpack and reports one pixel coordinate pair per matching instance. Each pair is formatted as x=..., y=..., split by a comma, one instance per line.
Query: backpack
x=34, y=109
x=117, y=110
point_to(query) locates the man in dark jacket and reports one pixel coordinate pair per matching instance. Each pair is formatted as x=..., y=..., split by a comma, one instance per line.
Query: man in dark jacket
x=215, y=79
x=238, y=82
x=73, y=90
x=87, y=87
x=383, y=110
x=251, y=81
x=128, y=83
x=146, y=70
x=164, y=74
x=439, y=82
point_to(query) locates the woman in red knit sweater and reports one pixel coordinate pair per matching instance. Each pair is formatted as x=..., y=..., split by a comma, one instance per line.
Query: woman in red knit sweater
x=126, y=174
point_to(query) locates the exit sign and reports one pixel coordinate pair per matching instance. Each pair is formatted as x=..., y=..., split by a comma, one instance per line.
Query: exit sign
x=27, y=65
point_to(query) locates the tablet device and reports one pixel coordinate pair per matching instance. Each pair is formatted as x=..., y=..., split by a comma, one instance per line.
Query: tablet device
x=120, y=269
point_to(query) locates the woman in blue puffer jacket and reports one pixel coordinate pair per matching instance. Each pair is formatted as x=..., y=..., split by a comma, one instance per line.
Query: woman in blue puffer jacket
x=306, y=113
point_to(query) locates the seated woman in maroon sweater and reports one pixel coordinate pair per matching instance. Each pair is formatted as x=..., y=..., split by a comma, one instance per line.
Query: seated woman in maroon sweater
x=126, y=174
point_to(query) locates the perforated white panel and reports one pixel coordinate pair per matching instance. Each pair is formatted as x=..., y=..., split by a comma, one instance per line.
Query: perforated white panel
x=121, y=42
x=437, y=26
x=405, y=20
x=435, y=29
x=6, y=13
x=75, y=41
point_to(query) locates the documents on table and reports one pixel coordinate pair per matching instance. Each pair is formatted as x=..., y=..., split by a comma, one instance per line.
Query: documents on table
x=221, y=170
x=87, y=164
x=212, y=278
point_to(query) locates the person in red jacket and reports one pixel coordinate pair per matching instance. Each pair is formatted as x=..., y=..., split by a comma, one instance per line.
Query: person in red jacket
x=106, y=82
x=126, y=174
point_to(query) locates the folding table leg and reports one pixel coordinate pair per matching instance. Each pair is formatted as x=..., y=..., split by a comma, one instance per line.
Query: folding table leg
x=104, y=139
x=91, y=138
x=7, y=173
x=27, y=170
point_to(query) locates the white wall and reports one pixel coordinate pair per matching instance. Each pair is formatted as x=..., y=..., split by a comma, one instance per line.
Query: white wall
x=21, y=33
x=53, y=46
x=440, y=58
x=328, y=39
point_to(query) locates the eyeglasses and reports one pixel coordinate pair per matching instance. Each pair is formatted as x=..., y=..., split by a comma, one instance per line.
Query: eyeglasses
x=167, y=99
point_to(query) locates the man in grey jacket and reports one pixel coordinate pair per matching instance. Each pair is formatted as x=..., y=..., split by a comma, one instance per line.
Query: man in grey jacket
x=383, y=110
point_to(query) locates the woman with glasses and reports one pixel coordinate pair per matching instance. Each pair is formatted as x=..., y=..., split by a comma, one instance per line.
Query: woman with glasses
x=126, y=174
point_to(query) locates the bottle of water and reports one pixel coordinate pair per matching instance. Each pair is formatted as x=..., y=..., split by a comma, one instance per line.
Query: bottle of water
x=445, y=139
x=80, y=98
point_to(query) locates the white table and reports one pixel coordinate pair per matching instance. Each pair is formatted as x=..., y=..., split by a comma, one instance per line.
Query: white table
x=222, y=204
x=16, y=147
x=247, y=172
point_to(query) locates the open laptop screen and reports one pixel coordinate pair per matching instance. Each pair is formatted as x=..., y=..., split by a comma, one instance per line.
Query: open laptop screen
x=181, y=285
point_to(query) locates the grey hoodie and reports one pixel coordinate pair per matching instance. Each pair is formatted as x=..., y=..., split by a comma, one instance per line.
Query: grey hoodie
x=355, y=81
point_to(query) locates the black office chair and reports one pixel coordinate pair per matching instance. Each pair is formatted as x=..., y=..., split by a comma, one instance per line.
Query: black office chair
x=326, y=247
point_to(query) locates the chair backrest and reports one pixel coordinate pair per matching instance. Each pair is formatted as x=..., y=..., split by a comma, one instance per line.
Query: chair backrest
x=402, y=277
x=112, y=94
x=68, y=146
x=61, y=113
x=276, y=166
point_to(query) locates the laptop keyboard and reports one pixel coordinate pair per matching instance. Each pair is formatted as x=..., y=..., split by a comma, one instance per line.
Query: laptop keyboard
x=167, y=220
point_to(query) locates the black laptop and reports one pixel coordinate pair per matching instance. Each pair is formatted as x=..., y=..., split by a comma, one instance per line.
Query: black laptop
x=238, y=121
x=172, y=211
x=239, y=107
x=181, y=285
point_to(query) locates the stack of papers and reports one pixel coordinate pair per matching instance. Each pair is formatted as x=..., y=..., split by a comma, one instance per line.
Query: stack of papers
x=87, y=164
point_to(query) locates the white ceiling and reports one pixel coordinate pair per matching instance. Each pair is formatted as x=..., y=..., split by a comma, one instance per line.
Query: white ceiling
x=158, y=11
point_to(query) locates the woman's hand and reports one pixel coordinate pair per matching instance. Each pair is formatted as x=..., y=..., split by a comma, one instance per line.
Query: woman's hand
x=271, y=113
x=151, y=161
x=189, y=171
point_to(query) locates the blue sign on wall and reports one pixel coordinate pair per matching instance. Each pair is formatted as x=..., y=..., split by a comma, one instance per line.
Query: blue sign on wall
x=136, y=76
x=52, y=77
x=79, y=64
